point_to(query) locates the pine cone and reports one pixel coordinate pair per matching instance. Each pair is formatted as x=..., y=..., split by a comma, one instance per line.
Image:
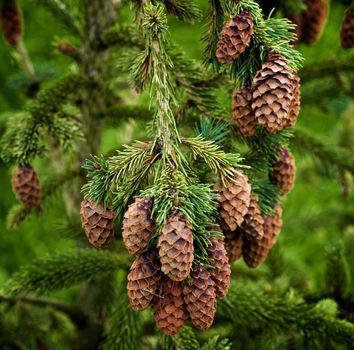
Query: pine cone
x=298, y=20
x=347, y=31
x=169, y=308
x=200, y=297
x=242, y=112
x=11, y=22
x=233, y=243
x=290, y=121
x=255, y=252
x=235, y=37
x=220, y=261
x=98, y=223
x=234, y=200
x=252, y=226
x=143, y=279
x=25, y=184
x=284, y=171
x=273, y=93
x=176, y=248
x=137, y=226
x=314, y=19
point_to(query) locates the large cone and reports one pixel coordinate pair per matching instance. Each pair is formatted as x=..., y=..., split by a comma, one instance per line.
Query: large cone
x=233, y=243
x=170, y=310
x=143, y=279
x=255, y=252
x=221, y=271
x=242, y=112
x=290, y=121
x=138, y=226
x=25, y=184
x=98, y=223
x=347, y=32
x=314, y=19
x=252, y=226
x=273, y=93
x=11, y=22
x=284, y=171
x=235, y=37
x=176, y=248
x=200, y=297
x=234, y=200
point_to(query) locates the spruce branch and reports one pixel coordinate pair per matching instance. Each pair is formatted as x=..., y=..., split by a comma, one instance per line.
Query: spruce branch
x=63, y=269
x=186, y=10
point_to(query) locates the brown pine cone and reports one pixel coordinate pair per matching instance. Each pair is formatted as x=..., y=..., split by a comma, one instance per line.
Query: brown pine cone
x=219, y=260
x=143, y=279
x=284, y=171
x=170, y=310
x=252, y=226
x=11, y=22
x=234, y=200
x=235, y=37
x=242, y=112
x=137, y=225
x=98, y=223
x=233, y=244
x=176, y=248
x=298, y=20
x=273, y=93
x=25, y=184
x=314, y=18
x=347, y=31
x=200, y=297
x=290, y=121
x=255, y=252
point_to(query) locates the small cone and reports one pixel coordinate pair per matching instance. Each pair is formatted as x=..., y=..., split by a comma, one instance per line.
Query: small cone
x=314, y=18
x=273, y=93
x=347, y=31
x=143, y=279
x=170, y=311
x=235, y=37
x=255, y=252
x=25, y=184
x=284, y=171
x=176, y=248
x=11, y=22
x=137, y=225
x=98, y=223
x=219, y=260
x=200, y=298
x=252, y=227
x=233, y=243
x=290, y=121
x=242, y=112
x=234, y=200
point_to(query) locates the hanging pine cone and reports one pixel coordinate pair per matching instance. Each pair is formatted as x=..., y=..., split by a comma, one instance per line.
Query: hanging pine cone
x=235, y=37
x=143, y=279
x=290, y=121
x=219, y=260
x=176, y=248
x=233, y=243
x=98, y=223
x=11, y=22
x=347, y=31
x=170, y=310
x=252, y=226
x=234, y=200
x=25, y=184
x=298, y=20
x=255, y=252
x=242, y=112
x=273, y=93
x=284, y=171
x=314, y=18
x=200, y=297
x=137, y=225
